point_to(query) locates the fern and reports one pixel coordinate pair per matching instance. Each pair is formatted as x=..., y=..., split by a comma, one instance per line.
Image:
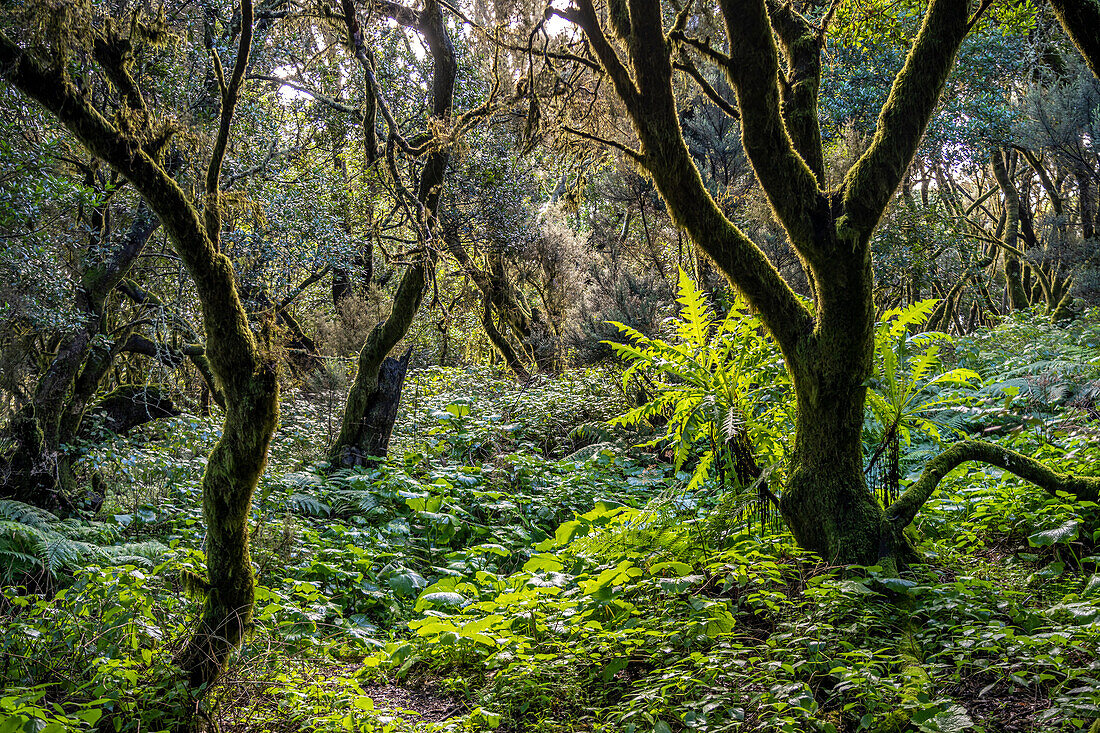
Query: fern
x=306, y=504
x=34, y=541
x=907, y=390
x=715, y=380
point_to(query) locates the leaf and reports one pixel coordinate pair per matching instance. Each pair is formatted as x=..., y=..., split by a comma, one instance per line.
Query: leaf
x=458, y=409
x=440, y=600
x=566, y=532
x=1066, y=532
x=544, y=561
x=898, y=585
x=407, y=583
x=953, y=719
x=678, y=569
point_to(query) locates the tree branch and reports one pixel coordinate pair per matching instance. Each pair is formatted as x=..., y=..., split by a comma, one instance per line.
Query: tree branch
x=584, y=17
x=753, y=71
x=230, y=93
x=872, y=181
x=799, y=91
x=904, y=510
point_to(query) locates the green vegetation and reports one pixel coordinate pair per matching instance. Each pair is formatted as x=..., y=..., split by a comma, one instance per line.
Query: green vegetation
x=590, y=365
x=519, y=582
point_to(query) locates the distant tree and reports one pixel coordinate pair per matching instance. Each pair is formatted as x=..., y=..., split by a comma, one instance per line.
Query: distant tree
x=376, y=390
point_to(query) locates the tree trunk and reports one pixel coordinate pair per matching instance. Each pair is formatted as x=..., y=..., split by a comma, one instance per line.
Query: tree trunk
x=244, y=367
x=827, y=349
x=826, y=503
x=363, y=430
x=374, y=427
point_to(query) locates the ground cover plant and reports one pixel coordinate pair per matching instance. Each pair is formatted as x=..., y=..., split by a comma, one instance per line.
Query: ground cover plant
x=493, y=574
x=571, y=365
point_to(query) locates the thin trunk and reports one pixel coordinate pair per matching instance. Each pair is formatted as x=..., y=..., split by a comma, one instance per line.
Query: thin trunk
x=363, y=432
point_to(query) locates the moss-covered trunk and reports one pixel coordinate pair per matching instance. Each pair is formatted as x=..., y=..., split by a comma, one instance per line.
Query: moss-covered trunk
x=827, y=347
x=232, y=471
x=243, y=368
x=826, y=503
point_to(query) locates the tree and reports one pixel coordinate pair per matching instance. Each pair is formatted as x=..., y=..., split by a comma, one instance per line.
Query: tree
x=828, y=346
x=374, y=395
x=133, y=143
x=1081, y=18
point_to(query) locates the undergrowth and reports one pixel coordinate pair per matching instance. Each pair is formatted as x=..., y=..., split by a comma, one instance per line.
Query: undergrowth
x=515, y=565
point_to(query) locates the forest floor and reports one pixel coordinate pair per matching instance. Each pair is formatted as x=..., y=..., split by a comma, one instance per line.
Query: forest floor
x=514, y=565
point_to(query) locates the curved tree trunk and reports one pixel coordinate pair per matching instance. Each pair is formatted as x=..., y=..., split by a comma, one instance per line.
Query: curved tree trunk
x=364, y=430
x=243, y=368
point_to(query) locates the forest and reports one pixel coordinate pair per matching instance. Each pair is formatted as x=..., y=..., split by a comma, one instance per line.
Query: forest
x=426, y=366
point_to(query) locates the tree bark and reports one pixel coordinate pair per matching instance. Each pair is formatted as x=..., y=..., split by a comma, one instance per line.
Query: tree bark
x=362, y=435
x=1080, y=19
x=828, y=352
x=1017, y=296
x=244, y=369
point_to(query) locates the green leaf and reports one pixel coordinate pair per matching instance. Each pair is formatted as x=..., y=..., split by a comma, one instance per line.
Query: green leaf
x=407, y=583
x=1065, y=532
x=678, y=569
x=442, y=599
x=543, y=561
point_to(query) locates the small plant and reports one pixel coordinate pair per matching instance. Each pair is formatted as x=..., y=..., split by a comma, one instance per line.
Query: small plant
x=720, y=385
x=908, y=390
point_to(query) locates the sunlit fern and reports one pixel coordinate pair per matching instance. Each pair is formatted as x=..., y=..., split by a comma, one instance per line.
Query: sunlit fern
x=714, y=379
x=907, y=391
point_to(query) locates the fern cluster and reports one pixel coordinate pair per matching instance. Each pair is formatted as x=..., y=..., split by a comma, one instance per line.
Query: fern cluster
x=36, y=543
x=719, y=383
x=908, y=389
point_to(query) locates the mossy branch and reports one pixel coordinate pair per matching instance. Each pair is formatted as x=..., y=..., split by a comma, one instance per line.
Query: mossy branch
x=231, y=92
x=904, y=510
x=801, y=42
x=584, y=17
x=1081, y=19
x=753, y=71
x=872, y=181
x=666, y=158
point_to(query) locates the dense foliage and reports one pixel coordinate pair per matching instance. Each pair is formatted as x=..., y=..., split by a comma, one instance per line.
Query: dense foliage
x=593, y=365
x=515, y=580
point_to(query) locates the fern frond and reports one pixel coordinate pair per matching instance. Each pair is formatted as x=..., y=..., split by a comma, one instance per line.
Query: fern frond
x=306, y=504
x=150, y=552
x=27, y=514
x=733, y=423
x=695, y=318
